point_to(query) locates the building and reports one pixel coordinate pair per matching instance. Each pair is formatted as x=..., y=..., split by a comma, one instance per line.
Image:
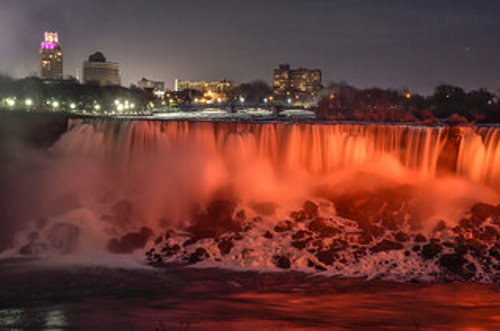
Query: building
x=147, y=84
x=98, y=70
x=219, y=87
x=51, y=57
x=300, y=82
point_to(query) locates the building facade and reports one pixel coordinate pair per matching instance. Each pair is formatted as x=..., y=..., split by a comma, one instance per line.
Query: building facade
x=147, y=84
x=298, y=82
x=98, y=70
x=220, y=87
x=51, y=57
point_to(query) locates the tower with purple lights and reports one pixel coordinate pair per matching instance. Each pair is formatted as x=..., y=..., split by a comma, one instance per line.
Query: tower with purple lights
x=51, y=57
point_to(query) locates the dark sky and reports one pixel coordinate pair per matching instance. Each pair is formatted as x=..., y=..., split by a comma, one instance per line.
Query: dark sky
x=385, y=43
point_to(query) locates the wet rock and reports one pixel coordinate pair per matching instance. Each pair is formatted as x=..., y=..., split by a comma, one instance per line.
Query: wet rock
x=420, y=238
x=300, y=244
x=168, y=250
x=416, y=248
x=386, y=245
x=281, y=261
x=216, y=221
x=199, y=255
x=268, y=235
x=458, y=265
x=300, y=234
x=311, y=209
x=63, y=237
x=440, y=226
x=298, y=216
x=430, y=251
x=225, y=246
x=489, y=233
x=482, y=211
x=264, y=208
x=318, y=267
x=283, y=226
x=476, y=247
x=130, y=242
x=401, y=236
x=327, y=256
x=322, y=226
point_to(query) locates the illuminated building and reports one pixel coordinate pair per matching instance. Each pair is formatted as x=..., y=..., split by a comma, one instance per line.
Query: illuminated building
x=147, y=84
x=98, y=70
x=299, y=82
x=51, y=57
x=220, y=87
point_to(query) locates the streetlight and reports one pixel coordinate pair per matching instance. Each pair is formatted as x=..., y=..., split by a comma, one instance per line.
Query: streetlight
x=265, y=101
x=11, y=102
x=28, y=102
x=72, y=106
x=55, y=104
x=97, y=107
x=242, y=100
x=289, y=101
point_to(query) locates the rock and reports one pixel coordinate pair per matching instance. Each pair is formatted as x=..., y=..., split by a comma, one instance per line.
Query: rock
x=63, y=237
x=430, y=251
x=321, y=226
x=268, y=235
x=298, y=216
x=300, y=234
x=401, y=236
x=216, y=221
x=281, y=261
x=283, y=226
x=327, y=256
x=130, y=242
x=458, y=265
x=311, y=209
x=476, y=247
x=199, y=255
x=489, y=233
x=386, y=245
x=311, y=264
x=482, y=211
x=225, y=246
x=440, y=226
x=264, y=208
x=300, y=244
x=170, y=250
x=420, y=238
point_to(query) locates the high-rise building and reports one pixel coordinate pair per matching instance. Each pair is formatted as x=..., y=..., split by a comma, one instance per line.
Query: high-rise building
x=51, y=57
x=298, y=82
x=98, y=70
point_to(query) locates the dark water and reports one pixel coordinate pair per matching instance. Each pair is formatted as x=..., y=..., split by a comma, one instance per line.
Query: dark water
x=178, y=298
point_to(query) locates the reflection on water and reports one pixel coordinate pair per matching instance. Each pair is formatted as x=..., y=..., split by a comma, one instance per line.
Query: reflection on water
x=97, y=298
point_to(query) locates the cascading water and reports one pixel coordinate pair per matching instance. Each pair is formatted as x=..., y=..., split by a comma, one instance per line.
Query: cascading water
x=158, y=175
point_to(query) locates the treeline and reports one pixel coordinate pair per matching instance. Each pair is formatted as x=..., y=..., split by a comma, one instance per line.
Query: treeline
x=447, y=104
x=66, y=93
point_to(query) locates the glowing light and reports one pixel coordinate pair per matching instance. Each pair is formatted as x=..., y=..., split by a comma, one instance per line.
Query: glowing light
x=97, y=107
x=242, y=99
x=117, y=102
x=407, y=95
x=11, y=102
x=55, y=104
x=132, y=105
x=119, y=107
x=28, y=102
x=72, y=106
x=289, y=100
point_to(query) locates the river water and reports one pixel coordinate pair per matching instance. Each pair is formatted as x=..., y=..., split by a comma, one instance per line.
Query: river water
x=50, y=297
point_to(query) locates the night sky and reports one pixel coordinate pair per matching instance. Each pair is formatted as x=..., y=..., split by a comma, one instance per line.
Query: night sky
x=386, y=43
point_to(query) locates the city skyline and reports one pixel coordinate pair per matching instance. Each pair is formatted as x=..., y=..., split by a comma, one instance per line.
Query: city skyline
x=391, y=45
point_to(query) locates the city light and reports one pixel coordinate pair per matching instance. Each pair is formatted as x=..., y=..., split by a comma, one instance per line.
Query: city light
x=117, y=102
x=242, y=100
x=55, y=104
x=119, y=107
x=265, y=100
x=289, y=101
x=72, y=106
x=11, y=102
x=28, y=102
x=97, y=107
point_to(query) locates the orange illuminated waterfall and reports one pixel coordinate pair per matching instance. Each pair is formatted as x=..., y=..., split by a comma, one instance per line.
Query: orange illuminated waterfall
x=310, y=148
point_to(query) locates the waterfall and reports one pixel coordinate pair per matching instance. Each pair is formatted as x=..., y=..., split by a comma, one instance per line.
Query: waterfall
x=313, y=148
